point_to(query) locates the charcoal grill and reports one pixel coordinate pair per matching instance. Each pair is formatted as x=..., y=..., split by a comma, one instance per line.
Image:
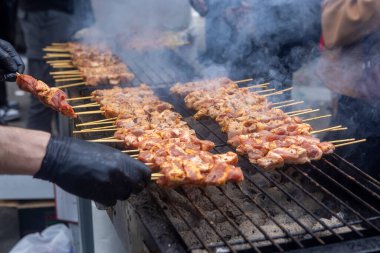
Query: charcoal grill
x=329, y=205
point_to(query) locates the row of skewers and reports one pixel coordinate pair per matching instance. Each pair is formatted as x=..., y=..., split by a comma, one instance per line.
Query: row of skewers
x=257, y=128
x=86, y=64
x=156, y=135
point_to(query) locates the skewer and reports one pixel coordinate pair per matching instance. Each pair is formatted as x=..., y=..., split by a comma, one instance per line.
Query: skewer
x=350, y=143
x=89, y=112
x=64, y=72
x=301, y=113
x=97, y=128
x=131, y=151
x=96, y=121
x=156, y=176
x=283, y=102
x=64, y=67
x=134, y=156
x=297, y=111
x=48, y=49
x=291, y=104
x=50, y=56
x=326, y=129
x=244, y=80
x=263, y=91
x=280, y=92
x=344, y=140
x=339, y=129
x=58, y=61
x=106, y=140
x=79, y=98
x=319, y=117
x=256, y=86
x=86, y=105
x=92, y=131
x=71, y=85
x=67, y=75
x=59, y=44
x=68, y=79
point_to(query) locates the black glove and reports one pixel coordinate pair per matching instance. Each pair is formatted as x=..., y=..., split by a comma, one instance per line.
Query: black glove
x=10, y=62
x=92, y=171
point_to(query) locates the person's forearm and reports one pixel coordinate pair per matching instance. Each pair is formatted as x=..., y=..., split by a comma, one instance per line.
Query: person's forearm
x=21, y=150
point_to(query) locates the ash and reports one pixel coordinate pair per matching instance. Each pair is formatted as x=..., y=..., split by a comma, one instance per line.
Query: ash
x=232, y=212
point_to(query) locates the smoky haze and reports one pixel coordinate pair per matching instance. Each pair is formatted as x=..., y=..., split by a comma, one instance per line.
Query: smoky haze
x=266, y=39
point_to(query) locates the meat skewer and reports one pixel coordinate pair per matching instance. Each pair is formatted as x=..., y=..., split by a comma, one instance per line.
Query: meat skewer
x=49, y=96
x=268, y=136
x=147, y=124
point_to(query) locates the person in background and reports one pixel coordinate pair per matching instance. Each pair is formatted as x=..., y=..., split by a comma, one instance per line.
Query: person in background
x=85, y=169
x=8, y=109
x=268, y=40
x=350, y=67
x=44, y=22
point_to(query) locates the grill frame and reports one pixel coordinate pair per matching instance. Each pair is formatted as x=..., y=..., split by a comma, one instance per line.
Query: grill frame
x=139, y=228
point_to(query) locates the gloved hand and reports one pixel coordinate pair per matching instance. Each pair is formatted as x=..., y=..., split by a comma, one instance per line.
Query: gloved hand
x=10, y=62
x=92, y=170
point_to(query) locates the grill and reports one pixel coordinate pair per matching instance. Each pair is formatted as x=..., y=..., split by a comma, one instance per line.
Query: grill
x=330, y=203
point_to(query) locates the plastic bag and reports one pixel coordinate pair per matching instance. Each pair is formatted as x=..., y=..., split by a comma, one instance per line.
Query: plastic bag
x=54, y=239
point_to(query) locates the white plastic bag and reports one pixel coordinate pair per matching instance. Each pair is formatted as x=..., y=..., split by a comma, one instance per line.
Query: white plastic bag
x=54, y=239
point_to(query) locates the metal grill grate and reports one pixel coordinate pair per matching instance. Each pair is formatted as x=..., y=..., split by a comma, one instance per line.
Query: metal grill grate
x=330, y=201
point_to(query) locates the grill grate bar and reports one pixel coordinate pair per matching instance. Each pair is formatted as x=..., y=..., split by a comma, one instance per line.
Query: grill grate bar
x=372, y=180
x=336, y=198
x=287, y=212
x=271, y=217
x=229, y=220
x=320, y=203
x=297, y=202
x=193, y=231
x=345, y=189
x=211, y=224
x=252, y=221
x=374, y=194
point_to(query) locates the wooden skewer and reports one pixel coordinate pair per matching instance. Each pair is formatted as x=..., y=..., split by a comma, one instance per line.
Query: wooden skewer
x=291, y=104
x=71, y=85
x=68, y=79
x=59, y=43
x=64, y=72
x=283, y=102
x=86, y=105
x=244, y=80
x=339, y=129
x=326, y=129
x=89, y=112
x=134, y=156
x=59, y=61
x=92, y=131
x=63, y=75
x=98, y=128
x=263, y=91
x=131, y=151
x=344, y=140
x=96, y=121
x=303, y=110
x=301, y=113
x=79, y=98
x=48, y=49
x=107, y=140
x=350, y=143
x=280, y=92
x=49, y=56
x=256, y=86
x=63, y=67
x=319, y=117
